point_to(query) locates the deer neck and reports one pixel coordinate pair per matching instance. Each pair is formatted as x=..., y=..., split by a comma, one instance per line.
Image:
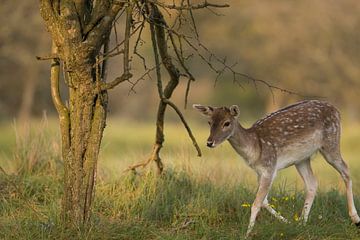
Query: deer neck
x=246, y=143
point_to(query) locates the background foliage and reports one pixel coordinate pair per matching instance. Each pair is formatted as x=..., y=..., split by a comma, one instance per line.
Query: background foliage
x=309, y=47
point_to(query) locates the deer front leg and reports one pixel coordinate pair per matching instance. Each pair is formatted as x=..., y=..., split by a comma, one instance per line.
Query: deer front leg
x=265, y=181
x=273, y=212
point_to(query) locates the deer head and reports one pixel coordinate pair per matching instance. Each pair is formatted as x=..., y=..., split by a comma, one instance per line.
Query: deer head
x=222, y=121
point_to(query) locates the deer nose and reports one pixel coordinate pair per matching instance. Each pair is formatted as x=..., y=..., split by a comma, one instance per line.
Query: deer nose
x=210, y=144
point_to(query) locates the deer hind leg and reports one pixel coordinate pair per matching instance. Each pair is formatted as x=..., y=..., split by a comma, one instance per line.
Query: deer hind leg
x=310, y=182
x=277, y=215
x=333, y=157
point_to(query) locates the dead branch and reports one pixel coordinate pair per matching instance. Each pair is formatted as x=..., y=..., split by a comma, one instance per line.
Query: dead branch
x=205, y=4
x=55, y=72
x=183, y=65
x=62, y=110
x=142, y=77
x=50, y=57
x=107, y=56
x=137, y=42
x=225, y=66
x=230, y=68
x=160, y=47
x=102, y=23
x=186, y=125
x=115, y=82
x=153, y=157
x=105, y=61
x=127, y=39
x=116, y=47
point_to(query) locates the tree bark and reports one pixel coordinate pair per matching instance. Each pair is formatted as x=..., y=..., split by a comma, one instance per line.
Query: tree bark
x=78, y=35
x=82, y=125
x=87, y=114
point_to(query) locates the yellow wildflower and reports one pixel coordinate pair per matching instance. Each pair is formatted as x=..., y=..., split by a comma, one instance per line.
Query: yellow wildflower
x=246, y=205
x=296, y=217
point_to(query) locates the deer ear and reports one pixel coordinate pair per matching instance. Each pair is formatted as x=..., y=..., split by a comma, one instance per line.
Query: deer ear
x=205, y=110
x=234, y=111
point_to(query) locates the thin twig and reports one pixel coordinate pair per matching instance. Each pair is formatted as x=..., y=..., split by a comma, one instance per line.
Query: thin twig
x=142, y=77
x=186, y=125
x=115, y=82
x=105, y=61
x=50, y=57
x=139, y=40
x=126, y=62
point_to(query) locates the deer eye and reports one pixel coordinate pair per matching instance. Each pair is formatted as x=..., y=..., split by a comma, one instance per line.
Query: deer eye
x=226, y=124
x=209, y=123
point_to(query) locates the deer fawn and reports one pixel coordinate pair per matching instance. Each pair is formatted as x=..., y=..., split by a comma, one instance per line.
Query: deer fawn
x=284, y=138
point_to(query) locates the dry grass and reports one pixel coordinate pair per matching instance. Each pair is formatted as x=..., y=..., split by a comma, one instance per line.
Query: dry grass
x=197, y=198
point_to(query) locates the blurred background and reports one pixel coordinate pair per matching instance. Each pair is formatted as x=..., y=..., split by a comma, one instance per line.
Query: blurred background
x=310, y=47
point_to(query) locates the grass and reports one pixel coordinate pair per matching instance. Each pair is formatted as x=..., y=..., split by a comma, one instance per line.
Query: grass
x=197, y=198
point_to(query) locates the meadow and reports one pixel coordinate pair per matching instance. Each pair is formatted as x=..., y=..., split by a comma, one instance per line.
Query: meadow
x=196, y=198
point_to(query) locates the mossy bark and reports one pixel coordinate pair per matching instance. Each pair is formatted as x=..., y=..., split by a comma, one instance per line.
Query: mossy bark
x=87, y=114
x=78, y=35
x=82, y=124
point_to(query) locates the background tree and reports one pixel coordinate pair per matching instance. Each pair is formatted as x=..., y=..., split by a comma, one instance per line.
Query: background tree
x=20, y=42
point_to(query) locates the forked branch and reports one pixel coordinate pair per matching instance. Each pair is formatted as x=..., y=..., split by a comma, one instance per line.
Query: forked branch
x=160, y=50
x=186, y=125
x=62, y=110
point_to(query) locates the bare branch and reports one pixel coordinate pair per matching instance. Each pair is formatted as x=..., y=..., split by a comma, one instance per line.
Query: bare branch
x=154, y=156
x=205, y=4
x=72, y=28
x=62, y=110
x=186, y=125
x=137, y=42
x=107, y=56
x=142, y=77
x=50, y=57
x=98, y=12
x=157, y=61
x=126, y=62
x=193, y=21
x=105, y=61
x=51, y=19
x=55, y=72
x=182, y=63
x=116, y=47
x=169, y=66
x=230, y=68
x=115, y=82
x=102, y=23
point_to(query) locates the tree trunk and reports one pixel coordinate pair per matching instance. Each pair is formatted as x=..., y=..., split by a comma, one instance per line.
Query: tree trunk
x=79, y=29
x=87, y=115
x=81, y=124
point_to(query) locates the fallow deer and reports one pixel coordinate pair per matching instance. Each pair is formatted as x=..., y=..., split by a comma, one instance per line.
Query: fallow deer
x=289, y=136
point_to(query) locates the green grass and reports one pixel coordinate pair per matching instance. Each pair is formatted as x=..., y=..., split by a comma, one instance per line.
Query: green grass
x=197, y=198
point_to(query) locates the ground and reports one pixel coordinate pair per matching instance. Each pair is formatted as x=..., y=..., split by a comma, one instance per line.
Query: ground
x=197, y=198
